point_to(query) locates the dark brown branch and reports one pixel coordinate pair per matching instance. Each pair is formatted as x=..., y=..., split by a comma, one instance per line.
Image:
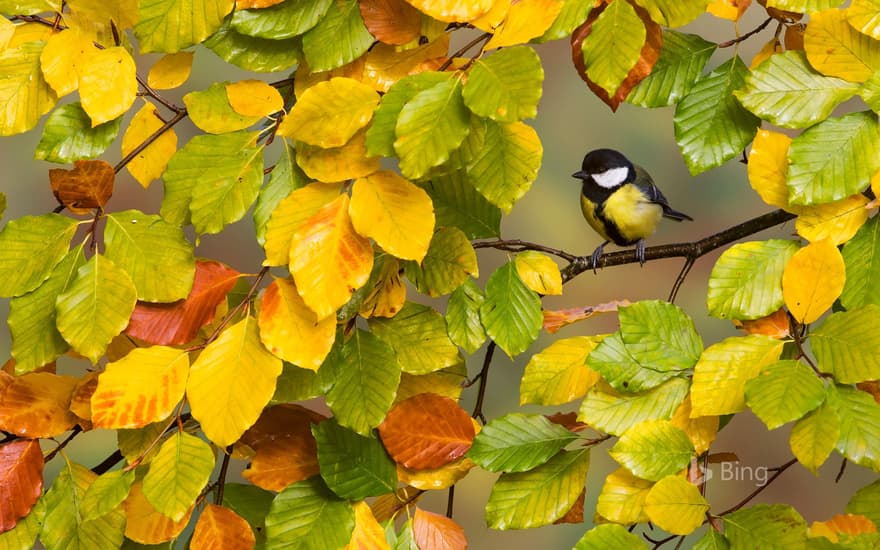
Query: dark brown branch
x=516, y=245
x=450, y=500
x=840, y=471
x=747, y=35
x=177, y=109
x=73, y=433
x=777, y=471
x=482, y=377
x=221, y=477
x=461, y=51
x=108, y=462
x=146, y=143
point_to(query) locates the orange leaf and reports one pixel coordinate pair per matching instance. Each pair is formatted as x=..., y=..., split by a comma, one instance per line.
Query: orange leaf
x=145, y=524
x=427, y=431
x=850, y=524
x=220, y=528
x=774, y=325
x=649, y=55
x=367, y=534
x=555, y=320
x=285, y=450
x=391, y=21
x=81, y=399
x=728, y=9
x=89, y=185
x=36, y=404
x=437, y=532
x=21, y=480
x=872, y=387
x=575, y=514
x=254, y=4
x=179, y=322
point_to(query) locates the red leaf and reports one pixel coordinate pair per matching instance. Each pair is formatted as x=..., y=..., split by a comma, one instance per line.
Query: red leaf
x=391, y=21
x=649, y=55
x=21, y=480
x=89, y=185
x=427, y=431
x=437, y=532
x=179, y=322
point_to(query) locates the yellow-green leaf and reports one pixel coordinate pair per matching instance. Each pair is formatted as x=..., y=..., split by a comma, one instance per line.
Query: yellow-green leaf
x=395, y=213
x=24, y=94
x=508, y=163
x=768, y=167
x=539, y=272
x=177, y=474
x=172, y=25
x=836, y=221
x=211, y=111
x=231, y=381
x=674, y=13
x=329, y=113
x=149, y=163
x=835, y=48
x=675, y=505
x=622, y=499
x=813, y=279
x=290, y=214
x=559, y=373
x=170, y=71
x=107, y=84
x=814, y=436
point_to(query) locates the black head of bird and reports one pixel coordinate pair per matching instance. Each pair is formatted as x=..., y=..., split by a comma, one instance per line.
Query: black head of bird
x=621, y=202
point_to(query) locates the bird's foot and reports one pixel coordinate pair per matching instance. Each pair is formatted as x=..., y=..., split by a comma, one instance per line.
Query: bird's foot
x=597, y=255
x=640, y=252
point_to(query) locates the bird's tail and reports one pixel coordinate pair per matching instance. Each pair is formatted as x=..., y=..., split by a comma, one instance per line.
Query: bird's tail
x=675, y=214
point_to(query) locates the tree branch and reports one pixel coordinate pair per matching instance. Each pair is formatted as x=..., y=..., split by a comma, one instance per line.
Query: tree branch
x=482, y=377
x=747, y=35
x=777, y=471
x=178, y=116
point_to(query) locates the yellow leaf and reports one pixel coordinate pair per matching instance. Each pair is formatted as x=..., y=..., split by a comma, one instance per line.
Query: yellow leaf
x=123, y=13
x=337, y=163
x=7, y=31
x=107, y=84
x=676, y=505
x=329, y=113
x=835, y=48
x=220, y=527
x=812, y=280
x=864, y=15
x=305, y=79
x=453, y=10
x=367, y=534
x=490, y=20
x=394, y=212
x=30, y=32
x=525, y=20
x=837, y=221
x=254, y=98
x=62, y=59
x=290, y=330
x=141, y=388
x=559, y=373
x=773, y=46
x=149, y=163
x=538, y=272
x=255, y=4
x=290, y=214
x=231, y=382
x=329, y=260
x=434, y=479
x=700, y=430
x=384, y=64
x=170, y=71
x=875, y=186
x=731, y=10
x=388, y=293
x=145, y=524
x=768, y=167
x=622, y=499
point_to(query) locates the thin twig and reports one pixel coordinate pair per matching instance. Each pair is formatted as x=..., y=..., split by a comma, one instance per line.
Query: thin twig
x=177, y=109
x=234, y=311
x=516, y=245
x=463, y=50
x=73, y=433
x=146, y=143
x=682, y=275
x=840, y=471
x=778, y=470
x=450, y=500
x=221, y=477
x=482, y=377
x=747, y=35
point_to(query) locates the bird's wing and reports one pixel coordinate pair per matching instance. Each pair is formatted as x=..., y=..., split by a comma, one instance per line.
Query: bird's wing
x=647, y=185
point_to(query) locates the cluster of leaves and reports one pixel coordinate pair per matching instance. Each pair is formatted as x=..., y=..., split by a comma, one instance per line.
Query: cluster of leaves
x=199, y=364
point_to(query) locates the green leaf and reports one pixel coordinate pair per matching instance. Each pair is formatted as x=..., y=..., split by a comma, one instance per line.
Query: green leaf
x=573, y=13
x=213, y=180
x=353, y=466
x=177, y=474
x=621, y=370
x=286, y=177
x=847, y=344
x=859, y=414
x=746, y=281
x=431, y=124
x=35, y=339
x=518, y=442
x=297, y=384
x=508, y=163
x=814, y=436
x=365, y=376
x=449, y=262
x=307, y=516
x=284, y=20
x=682, y=59
x=615, y=413
x=788, y=92
x=870, y=92
x=381, y=133
x=766, y=526
x=106, y=493
x=721, y=374
x=24, y=94
x=833, y=159
x=339, y=38
x=210, y=110
x=618, y=29
x=95, y=307
x=30, y=247
x=64, y=525
x=538, y=497
x=712, y=540
x=248, y=501
x=505, y=86
x=511, y=313
x=23, y=536
x=172, y=25
x=457, y=203
x=609, y=535
x=866, y=502
x=154, y=253
x=419, y=339
x=673, y=13
x=68, y=135
x=660, y=335
x=861, y=255
x=653, y=449
x=253, y=54
x=784, y=391
x=675, y=505
x=559, y=373
x=711, y=127
x=463, y=317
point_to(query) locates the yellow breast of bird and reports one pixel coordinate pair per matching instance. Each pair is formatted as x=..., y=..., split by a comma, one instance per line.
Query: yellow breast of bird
x=635, y=217
x=589, y=210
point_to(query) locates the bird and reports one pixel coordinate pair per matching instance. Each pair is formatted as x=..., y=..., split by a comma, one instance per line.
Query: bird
x=621, y=202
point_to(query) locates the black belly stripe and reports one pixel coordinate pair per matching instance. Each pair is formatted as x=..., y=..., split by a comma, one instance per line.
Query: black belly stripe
x=598, y=195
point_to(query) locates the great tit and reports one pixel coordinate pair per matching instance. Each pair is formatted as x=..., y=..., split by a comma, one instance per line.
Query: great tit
x=621, y=202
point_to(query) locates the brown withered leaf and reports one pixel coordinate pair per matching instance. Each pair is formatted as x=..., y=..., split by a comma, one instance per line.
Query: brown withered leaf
x=576, y=513
x=391, y=21
x=567, y=420
x=21, y=480
x=179, y=322
x=437, y=532
x=389, y=506
x=649, y=55
x=555, y=320
x=427, y=431
x=872, y=387
x=285, y=450
x=775, y=325
x=36, y=404
x=794, y=37
x=89, y=185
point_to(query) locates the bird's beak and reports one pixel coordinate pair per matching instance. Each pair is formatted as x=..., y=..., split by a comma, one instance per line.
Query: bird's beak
x=580, y=174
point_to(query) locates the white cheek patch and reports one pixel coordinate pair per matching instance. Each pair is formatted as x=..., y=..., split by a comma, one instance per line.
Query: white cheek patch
x=612, y=177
